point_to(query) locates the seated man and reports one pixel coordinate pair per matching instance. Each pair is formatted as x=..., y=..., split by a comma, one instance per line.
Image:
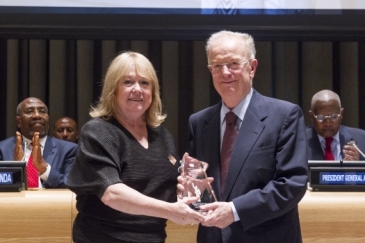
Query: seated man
x=65, y=128
x=48, y=157
x=327, y=138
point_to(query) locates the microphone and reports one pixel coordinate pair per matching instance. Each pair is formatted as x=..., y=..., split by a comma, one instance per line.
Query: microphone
x=353, y=143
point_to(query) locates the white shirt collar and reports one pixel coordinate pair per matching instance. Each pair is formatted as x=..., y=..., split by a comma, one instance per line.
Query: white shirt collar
x=42, y=141
x=240, y=109
x=323, y=139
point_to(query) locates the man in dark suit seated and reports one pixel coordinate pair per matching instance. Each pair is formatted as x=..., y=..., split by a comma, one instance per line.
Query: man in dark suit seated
x=327, y=138
x=49, y=158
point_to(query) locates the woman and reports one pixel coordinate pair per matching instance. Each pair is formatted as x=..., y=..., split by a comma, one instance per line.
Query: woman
x=125, y=170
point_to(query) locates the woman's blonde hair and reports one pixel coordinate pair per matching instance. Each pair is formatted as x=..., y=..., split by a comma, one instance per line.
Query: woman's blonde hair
x=118, y=70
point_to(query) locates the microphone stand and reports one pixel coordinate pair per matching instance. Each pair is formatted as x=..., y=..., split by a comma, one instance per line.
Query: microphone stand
x=353, y=143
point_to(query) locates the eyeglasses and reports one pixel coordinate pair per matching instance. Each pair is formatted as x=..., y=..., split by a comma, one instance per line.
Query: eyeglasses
x=33, y=110
x=321, y=118
x=232, y=66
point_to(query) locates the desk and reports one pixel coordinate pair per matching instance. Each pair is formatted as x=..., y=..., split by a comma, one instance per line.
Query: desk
x=37, y=216
x=333, y=217
x=47, y=216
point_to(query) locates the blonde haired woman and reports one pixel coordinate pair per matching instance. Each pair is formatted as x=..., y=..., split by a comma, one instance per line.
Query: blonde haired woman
x=125, y=170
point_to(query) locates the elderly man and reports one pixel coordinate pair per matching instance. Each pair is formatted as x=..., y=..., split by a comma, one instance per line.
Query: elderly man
x=256, y=150
x=327, y=138
x=49, y=159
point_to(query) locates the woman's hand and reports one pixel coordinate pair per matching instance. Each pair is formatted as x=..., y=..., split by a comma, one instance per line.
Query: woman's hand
x=184, y=214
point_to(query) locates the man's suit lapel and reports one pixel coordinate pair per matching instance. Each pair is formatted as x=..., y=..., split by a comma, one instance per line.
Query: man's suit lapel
x=314, y=146
x=212, y=145
x=49, y=151
x=345, y=137
x=250, y=130
x=12, y=147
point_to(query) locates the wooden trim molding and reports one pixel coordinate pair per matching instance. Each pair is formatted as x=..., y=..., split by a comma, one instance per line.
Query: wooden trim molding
x=47, y=216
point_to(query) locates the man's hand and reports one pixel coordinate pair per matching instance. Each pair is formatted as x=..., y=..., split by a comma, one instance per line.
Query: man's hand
x=18, y=150
x=350, y=153
x=219, y=214
x=38, y=161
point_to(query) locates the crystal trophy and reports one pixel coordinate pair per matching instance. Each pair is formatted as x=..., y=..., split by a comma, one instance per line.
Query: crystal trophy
x=196, y=182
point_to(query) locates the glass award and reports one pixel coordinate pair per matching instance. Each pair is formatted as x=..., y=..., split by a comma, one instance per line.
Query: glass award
x=196, y=182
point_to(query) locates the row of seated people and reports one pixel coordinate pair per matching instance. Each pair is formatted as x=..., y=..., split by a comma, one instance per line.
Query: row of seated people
x=327, y=138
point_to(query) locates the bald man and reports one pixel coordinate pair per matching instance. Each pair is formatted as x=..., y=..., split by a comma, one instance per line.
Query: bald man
x=65, y=128
x=326, y=115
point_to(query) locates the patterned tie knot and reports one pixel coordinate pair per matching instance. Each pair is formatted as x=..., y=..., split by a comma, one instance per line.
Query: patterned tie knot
x=231, y=118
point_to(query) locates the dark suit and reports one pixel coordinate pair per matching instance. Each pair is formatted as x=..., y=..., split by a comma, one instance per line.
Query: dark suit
x=58, y=153
x=347, y=134
x=267, y=175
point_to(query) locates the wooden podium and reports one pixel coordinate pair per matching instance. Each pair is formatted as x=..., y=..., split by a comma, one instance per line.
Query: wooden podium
x=47, y=216
x=37, y=216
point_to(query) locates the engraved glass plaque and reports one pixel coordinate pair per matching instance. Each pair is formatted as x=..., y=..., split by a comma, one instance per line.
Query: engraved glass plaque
x=196, y=182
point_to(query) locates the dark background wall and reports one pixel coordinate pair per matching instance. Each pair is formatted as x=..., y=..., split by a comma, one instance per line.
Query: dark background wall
x=65, y=67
